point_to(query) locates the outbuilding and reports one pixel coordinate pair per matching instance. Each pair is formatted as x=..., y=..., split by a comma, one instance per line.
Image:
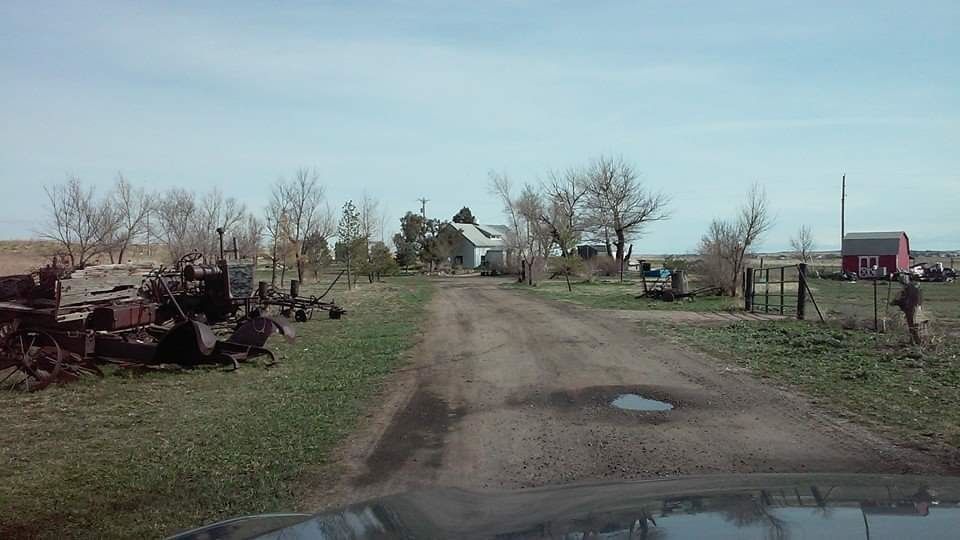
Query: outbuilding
x=479, y=245
x=889, y=252
x=589, y=251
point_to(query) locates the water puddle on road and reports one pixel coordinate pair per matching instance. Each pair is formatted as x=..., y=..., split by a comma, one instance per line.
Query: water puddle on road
x=635, y=402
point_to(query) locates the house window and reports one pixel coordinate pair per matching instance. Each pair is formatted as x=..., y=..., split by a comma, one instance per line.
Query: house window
x=483, y=259
x=458, y=260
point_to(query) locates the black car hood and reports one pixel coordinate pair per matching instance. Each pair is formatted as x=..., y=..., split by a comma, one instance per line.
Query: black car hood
x=722, y=506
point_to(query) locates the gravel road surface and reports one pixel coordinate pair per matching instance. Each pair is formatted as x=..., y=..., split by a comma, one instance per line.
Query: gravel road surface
x=507, y=390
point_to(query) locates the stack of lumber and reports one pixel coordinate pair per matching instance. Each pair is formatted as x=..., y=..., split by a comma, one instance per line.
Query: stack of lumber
x=102, y=283
x=114, y=271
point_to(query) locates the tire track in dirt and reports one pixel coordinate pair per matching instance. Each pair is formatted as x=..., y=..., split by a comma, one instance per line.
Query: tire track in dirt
x=507, y=390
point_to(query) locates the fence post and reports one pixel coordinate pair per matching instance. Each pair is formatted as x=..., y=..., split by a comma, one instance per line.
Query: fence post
x=766, y=288
x=748, y=290
x=782, y=279
x=801, y=290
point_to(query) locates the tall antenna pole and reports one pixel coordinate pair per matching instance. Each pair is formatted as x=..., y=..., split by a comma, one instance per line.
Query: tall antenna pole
x=843, y=205
x=423, y=207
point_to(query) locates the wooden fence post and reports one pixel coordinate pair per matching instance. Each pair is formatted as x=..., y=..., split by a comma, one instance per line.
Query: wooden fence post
x=748, y=289
x=801, y=290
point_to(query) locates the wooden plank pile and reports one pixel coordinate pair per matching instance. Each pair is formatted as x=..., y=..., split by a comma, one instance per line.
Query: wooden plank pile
x=102, y=283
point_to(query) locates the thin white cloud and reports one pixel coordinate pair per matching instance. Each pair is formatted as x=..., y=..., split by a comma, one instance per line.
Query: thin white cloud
x=303, y=61
x=802, y=123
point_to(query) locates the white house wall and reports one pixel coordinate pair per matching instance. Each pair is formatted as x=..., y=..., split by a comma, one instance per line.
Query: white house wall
x=466, y=251
x=472, y=256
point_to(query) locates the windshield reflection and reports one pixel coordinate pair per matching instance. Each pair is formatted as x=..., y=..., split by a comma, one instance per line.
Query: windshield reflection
x=718, y=510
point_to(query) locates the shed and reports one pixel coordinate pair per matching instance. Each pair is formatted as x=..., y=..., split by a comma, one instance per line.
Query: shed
x=589, y=251
x=888, y=251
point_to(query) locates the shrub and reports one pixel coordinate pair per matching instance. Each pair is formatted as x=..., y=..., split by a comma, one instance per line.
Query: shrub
x=603, y=266
x=571, y=265
x=676, y=263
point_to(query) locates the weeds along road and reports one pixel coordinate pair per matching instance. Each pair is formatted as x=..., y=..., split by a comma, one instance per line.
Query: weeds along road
x=507, y=390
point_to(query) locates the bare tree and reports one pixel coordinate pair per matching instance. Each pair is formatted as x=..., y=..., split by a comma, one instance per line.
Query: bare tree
x=249, y=237
x=620, y=203
x=802, y=244
x=725, y=246
x=384, y=218
x=531, y=206
x=303, y=197
x=216, y=211
x=716, y=250
x=276, y=225
x=76, y=221
x=370, y=217
x=528, y=236
x=176, y=212
x=517, y=237
x=565, y=197
x=754, y=221
x=126, y=218
x=371, y=225
x=190, y=225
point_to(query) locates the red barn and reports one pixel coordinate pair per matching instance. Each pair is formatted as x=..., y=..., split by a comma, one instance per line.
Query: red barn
x=888, y=251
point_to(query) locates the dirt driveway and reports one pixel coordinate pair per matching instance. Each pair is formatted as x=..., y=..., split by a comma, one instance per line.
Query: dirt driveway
x=507, y=391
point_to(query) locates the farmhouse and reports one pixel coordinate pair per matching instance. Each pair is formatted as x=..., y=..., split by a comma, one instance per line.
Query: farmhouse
x=888, y=251
x=478, y=244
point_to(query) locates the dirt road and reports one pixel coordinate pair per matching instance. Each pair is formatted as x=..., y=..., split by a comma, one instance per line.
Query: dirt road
x=509, y=391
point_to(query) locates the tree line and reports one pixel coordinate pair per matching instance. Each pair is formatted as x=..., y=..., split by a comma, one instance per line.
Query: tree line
x=604, y=202
x=89, y=226
x=294, y=229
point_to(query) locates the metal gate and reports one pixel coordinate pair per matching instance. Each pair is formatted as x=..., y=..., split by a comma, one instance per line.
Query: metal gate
x=782, y=290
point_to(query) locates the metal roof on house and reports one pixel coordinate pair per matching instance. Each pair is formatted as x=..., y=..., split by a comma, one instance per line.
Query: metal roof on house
x=494, y=230
x=482, y=235
x=872, y=243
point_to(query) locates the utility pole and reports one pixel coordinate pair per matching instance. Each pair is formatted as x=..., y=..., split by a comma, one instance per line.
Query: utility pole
x=423, y=207
x=843, y=205
x=423, y=222
x=148, y=233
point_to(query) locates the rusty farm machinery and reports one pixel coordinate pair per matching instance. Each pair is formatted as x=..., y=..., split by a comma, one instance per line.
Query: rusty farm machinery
x=57, y=325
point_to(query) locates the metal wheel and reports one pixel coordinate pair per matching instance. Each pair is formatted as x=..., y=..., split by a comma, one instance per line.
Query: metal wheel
x=32, y=360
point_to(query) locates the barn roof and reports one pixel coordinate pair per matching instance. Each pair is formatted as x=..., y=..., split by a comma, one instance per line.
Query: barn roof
x=873, y=243
x=481, y=235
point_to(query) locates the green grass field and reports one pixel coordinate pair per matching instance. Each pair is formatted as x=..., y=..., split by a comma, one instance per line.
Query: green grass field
x=840, y=299
x=615, y=295
x=881, y=379
x=146, y=456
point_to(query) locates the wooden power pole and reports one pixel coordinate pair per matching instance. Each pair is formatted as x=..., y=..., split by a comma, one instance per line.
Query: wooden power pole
x=843, y=205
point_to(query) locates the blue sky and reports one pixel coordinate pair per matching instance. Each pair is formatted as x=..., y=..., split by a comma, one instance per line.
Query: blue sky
x=411, y=99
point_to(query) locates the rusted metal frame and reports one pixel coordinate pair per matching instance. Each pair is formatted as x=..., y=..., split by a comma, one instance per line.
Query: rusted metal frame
x=173, y=299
